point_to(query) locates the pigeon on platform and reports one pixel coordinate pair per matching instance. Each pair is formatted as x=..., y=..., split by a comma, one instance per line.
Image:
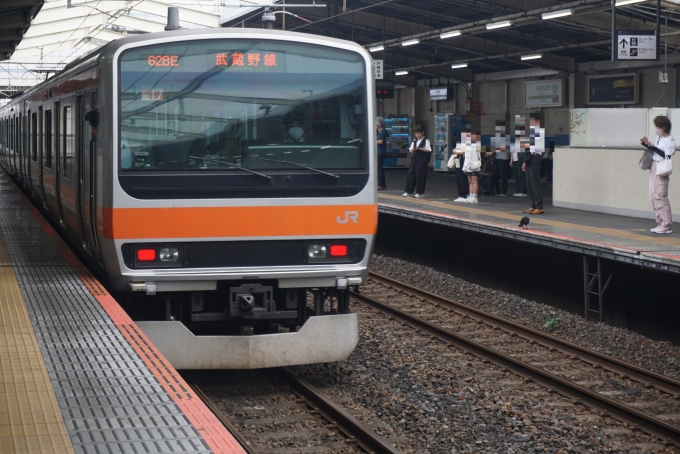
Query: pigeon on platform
x=524, y=222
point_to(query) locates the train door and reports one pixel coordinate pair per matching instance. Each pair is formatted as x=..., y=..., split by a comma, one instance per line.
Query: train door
x=26, y=150
x=41, y=155
x=68, y=181
x=58, y=162
x=88, y=160
x=35, y=165
x=49, y=179
x=20, y=153
x=13, y=147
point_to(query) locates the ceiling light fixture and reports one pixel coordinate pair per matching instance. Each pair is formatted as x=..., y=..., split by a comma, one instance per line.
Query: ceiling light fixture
x=628, y=2
x=501, y=24
x=556, y=14
x=401, y=73
x=531, y=56
x=450, y=34
x=376, y=49
x=460, y=65
x=410, y=42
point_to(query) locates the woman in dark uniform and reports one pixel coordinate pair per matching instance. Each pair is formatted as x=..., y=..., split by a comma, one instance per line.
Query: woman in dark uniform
x=421, y=150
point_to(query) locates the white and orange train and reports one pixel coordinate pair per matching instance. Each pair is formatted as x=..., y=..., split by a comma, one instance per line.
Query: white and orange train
x=222, y=182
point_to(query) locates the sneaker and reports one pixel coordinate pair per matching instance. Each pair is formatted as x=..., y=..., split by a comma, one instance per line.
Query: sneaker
x=517, y=194
x=471, y=200
x=406, y=194
x=655, y=229
x=661, y=230
x=523, y=195
x=419, y=196
x=460, y=199
x=502, y=195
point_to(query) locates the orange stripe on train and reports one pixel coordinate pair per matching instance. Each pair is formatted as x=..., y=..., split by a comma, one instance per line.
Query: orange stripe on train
x=212, y=222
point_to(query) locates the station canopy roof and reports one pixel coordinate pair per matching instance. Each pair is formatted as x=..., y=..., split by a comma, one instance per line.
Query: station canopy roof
x=15, y=18
x=479, y=38
x=494, y=34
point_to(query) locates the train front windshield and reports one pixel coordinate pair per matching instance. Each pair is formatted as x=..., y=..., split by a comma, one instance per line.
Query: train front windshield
x=227, y=105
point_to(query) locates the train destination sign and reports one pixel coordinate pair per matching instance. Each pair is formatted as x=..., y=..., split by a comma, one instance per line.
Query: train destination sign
x=636, y=45
x=235, y=61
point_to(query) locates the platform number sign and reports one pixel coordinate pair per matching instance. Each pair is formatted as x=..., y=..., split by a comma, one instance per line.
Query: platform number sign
x=636, y=45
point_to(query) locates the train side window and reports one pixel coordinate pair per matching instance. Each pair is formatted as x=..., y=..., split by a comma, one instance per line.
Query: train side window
x=48, y=139
x=67, y=145
x=34, y=136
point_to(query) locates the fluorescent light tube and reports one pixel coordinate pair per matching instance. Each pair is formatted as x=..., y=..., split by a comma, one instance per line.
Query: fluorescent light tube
x=450, y=34
x=410, y=42
x=556, y=14
x=376, y=49
x=460, y=65
x=628, y=2
x=531, y=56
x=401, y=73
x=501, y=24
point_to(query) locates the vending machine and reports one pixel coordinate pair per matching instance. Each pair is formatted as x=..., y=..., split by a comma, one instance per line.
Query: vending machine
x=398, y=129
x=441, y=149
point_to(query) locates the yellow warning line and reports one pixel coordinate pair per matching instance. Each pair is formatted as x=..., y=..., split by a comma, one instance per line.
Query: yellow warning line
x=30, y=419
x=665, y=241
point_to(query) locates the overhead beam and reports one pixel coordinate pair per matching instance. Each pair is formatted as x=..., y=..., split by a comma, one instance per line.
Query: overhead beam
x=185, y=14
x=519, y=18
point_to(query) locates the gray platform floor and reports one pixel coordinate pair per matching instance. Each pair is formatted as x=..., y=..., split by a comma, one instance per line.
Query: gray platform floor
x=615, y=232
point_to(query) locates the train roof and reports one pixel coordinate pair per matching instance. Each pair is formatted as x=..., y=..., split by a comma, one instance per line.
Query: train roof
x=108, y=50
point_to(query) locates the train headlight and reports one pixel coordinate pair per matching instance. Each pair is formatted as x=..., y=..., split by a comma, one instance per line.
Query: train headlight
x=317, y=251
x=169, y=254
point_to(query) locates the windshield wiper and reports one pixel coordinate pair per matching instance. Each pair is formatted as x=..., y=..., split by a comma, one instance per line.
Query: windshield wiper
x=304, y=166
x=234, y=166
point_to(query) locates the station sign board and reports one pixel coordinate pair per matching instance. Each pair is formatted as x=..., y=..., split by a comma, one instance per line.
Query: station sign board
x=544, y=93
x=378, y=69
x=637, y=45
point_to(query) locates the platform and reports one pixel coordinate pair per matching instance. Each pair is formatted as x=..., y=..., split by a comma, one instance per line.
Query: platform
x=619, y=238
x=76, y=374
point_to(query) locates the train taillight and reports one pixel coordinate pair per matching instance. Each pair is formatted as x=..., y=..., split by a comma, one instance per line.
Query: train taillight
x=339, y=250
x=146, y=255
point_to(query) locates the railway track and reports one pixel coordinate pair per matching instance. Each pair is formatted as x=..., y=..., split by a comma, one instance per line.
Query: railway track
x=276, y=411
x=648, y=401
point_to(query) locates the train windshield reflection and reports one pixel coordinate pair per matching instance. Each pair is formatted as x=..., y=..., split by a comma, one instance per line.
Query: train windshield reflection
x=220, y=105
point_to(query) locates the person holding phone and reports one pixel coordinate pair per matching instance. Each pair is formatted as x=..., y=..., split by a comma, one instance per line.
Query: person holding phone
x=663, y=147
x=421, y=150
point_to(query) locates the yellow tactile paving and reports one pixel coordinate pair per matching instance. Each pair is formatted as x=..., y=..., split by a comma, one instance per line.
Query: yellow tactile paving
x=666, y=241
x=30, y=419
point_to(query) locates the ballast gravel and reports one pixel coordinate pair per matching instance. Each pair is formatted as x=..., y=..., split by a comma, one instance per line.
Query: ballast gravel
x=661, y=357
x=426, y=397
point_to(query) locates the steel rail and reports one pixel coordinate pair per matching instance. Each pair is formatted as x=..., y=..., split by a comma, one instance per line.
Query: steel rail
x=650, y=424
x=348, y=424
x=597, y=359
x=223, y=419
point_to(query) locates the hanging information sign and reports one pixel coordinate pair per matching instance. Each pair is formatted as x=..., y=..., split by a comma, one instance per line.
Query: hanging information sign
x=636, y=45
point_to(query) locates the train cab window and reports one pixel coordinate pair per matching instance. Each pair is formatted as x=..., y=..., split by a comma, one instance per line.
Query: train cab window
x=68, y=141
x=34, y=136
x=215, y=106
x=48, y=139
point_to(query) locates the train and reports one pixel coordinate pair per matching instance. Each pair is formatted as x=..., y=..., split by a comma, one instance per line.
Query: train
x=220, y=181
